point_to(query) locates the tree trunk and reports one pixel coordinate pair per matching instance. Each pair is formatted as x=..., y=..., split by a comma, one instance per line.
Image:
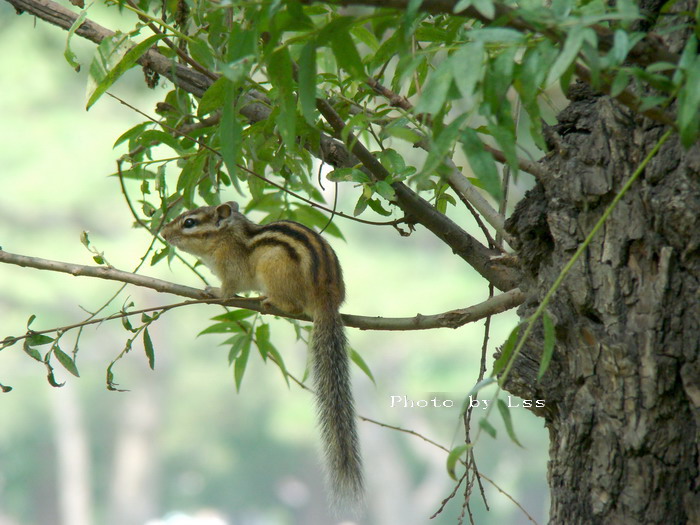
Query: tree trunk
x=623, y=391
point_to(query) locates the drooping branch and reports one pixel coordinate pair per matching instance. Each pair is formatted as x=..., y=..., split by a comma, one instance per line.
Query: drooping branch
x=331, y=150
x=450, y=319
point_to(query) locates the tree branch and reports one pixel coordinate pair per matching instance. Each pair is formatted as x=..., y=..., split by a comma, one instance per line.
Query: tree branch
x=450, y=319
x=647, y=51
x=418, y=209
x=54, y=13
x=331, y=151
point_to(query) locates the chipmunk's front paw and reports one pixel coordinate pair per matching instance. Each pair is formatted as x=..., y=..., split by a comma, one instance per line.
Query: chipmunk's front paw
x=213, y=291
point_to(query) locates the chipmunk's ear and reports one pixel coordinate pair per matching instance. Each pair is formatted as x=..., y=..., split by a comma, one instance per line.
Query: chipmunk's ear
x=225, y=210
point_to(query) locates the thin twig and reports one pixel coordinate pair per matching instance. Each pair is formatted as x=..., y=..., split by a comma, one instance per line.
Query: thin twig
x=452, y=494
x=184, y=56
x=445, y=449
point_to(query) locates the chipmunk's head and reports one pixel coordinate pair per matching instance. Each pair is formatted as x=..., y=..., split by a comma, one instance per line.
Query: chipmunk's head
x=198, y=231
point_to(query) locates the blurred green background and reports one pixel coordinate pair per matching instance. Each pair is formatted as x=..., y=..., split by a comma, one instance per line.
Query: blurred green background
x=182, y=446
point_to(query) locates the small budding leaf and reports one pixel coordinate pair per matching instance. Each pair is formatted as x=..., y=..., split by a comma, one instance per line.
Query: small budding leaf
x=453, y=458
x=85, y=238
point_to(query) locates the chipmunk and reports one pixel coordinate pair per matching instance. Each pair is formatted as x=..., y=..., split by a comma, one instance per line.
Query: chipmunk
x=298, y=272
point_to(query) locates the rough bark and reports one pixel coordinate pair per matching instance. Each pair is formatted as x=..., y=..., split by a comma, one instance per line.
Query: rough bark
x=623, y=392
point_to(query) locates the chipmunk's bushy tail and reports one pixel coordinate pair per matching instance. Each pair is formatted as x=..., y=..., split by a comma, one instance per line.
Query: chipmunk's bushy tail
x=336, y=412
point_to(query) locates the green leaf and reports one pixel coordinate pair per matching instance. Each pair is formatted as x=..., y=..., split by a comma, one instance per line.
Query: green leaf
x=461, y=6
x=454, y=456
x=377, y=207
x=392, y=161
x=504, y=133
x=68, y=53
x=505, y=414
x=155, y=136
x=191, y=173
x=485, y=7
x=487, y=427
x=266, y=349
x=481, y=384
x=688, y=105
x=234, y=315
x=482, y=163
x=347, y=55
x=230, y=131
x=237, y=342
x=148, y=347
x=114, y=56
x=5, y=389
x=506, y=350
x=548, y=349
x=66, y=361
x=8, y=342
x=32, y=352
x=312, y=217
x=238, y=70
x=365, y=36
x=213, y=97
x=50, y=376
x=361, y=203
x=467, y=65
x=572, y=46
x=30, y=320
x=240, y=364
x=131, y=133
x=279, y=69
x=441, y=145
x=38, y=340
x=262, y=339
x=357, y=359
x=621, y=46
x=242, y=41
x=498, y=81
x=348, y=175
x=222, y=328
x=496, y=35
x=436, y=89
x=384, y=189
x=620, y=82
x=651, y=102
x=201, y=53
x=402, y=133
x=307, y=82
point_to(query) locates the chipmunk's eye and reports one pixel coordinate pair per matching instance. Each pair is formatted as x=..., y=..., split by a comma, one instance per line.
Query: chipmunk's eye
x=189, y=223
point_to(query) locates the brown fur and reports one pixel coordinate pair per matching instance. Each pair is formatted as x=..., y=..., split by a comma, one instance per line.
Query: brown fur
x=298, y=272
